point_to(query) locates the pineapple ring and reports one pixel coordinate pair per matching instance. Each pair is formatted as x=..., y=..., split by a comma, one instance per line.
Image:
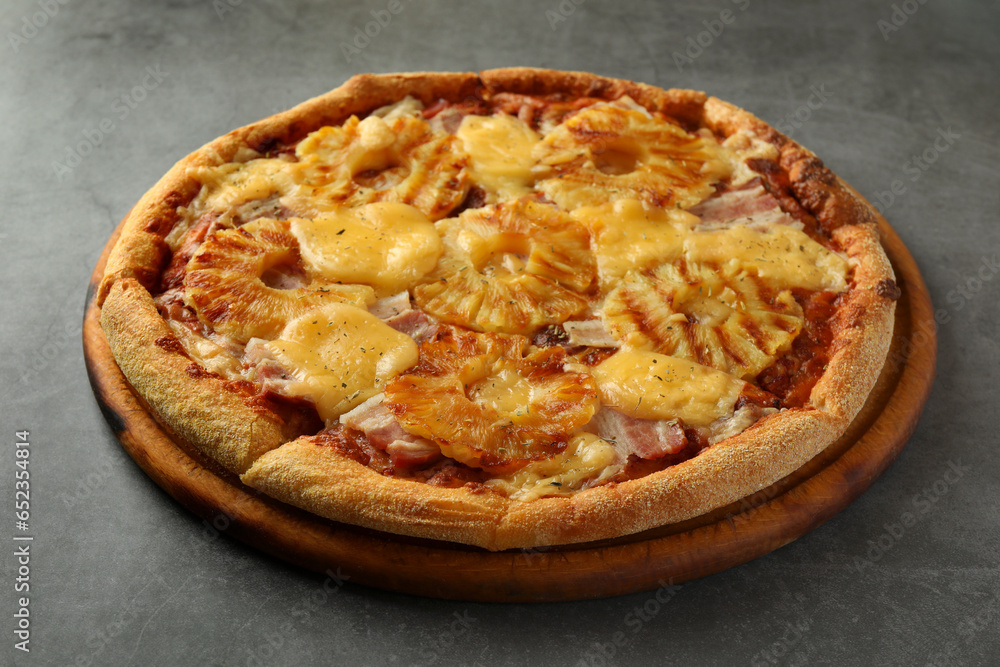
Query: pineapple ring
x=490, y=405
x=403, y=161
x=718, y=317
x=225, y=284
x=609, y=152
x=510, y=268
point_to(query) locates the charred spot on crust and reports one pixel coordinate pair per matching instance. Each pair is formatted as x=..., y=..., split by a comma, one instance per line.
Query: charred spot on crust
x=170, y=344
x=777, y=183
x=762, y=166
x=267, y=145
x=197, y=371
x=161, y=223
x=888, y=289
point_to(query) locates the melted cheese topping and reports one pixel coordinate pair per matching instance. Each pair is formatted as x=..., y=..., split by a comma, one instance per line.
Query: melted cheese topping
x=341, y=356
x=621, y=172
x=648, y=385
x=586, y=459
x=625, y=235
x=781, y=255
x=500, y=151
x=386, y=245
x=233, y=185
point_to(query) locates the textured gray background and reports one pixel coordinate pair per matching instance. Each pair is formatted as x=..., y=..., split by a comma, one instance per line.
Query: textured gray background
x=121, y=574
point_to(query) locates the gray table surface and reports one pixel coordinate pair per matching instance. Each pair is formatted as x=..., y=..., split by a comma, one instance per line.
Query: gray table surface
x=900, y=96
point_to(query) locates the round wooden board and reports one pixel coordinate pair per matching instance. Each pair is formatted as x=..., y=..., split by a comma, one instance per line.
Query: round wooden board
x=670, y=554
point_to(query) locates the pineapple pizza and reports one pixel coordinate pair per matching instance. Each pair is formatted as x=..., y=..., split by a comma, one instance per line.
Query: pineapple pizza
x=506, y=309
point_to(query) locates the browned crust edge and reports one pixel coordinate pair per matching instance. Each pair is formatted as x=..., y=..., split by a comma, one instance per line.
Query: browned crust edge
x=320, y=480
x=199, y=408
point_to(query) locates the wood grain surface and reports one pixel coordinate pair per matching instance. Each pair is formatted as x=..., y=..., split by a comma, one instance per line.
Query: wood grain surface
x=664, y=556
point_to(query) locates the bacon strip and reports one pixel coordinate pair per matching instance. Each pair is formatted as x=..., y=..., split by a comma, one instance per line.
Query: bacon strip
x=272, y=376
x=646, y=438
x=590, y=333
x=173, y=275
x=752, y=207
x=385, y=432
x=390, y=306
x=398, y=313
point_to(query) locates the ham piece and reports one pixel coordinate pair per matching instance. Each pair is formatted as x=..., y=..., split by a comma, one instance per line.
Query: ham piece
x=385, y=432
x=646, y=438
x=398, y=313
x=750, y=206
x=590, y=333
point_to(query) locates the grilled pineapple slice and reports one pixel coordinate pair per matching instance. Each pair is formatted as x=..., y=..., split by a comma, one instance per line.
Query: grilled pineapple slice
x=608, y=152
x=720, y=317
x=489, y=402
x=510, y=268
x=396, y=159
x=225, y=282
x=371, y=160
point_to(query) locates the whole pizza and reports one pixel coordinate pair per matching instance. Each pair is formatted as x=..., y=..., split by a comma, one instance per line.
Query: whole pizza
x=507, y=309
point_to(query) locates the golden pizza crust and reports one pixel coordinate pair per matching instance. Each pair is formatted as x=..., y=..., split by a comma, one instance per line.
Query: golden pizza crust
x=319, y=479
x=201, y=408
x=220, y=423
